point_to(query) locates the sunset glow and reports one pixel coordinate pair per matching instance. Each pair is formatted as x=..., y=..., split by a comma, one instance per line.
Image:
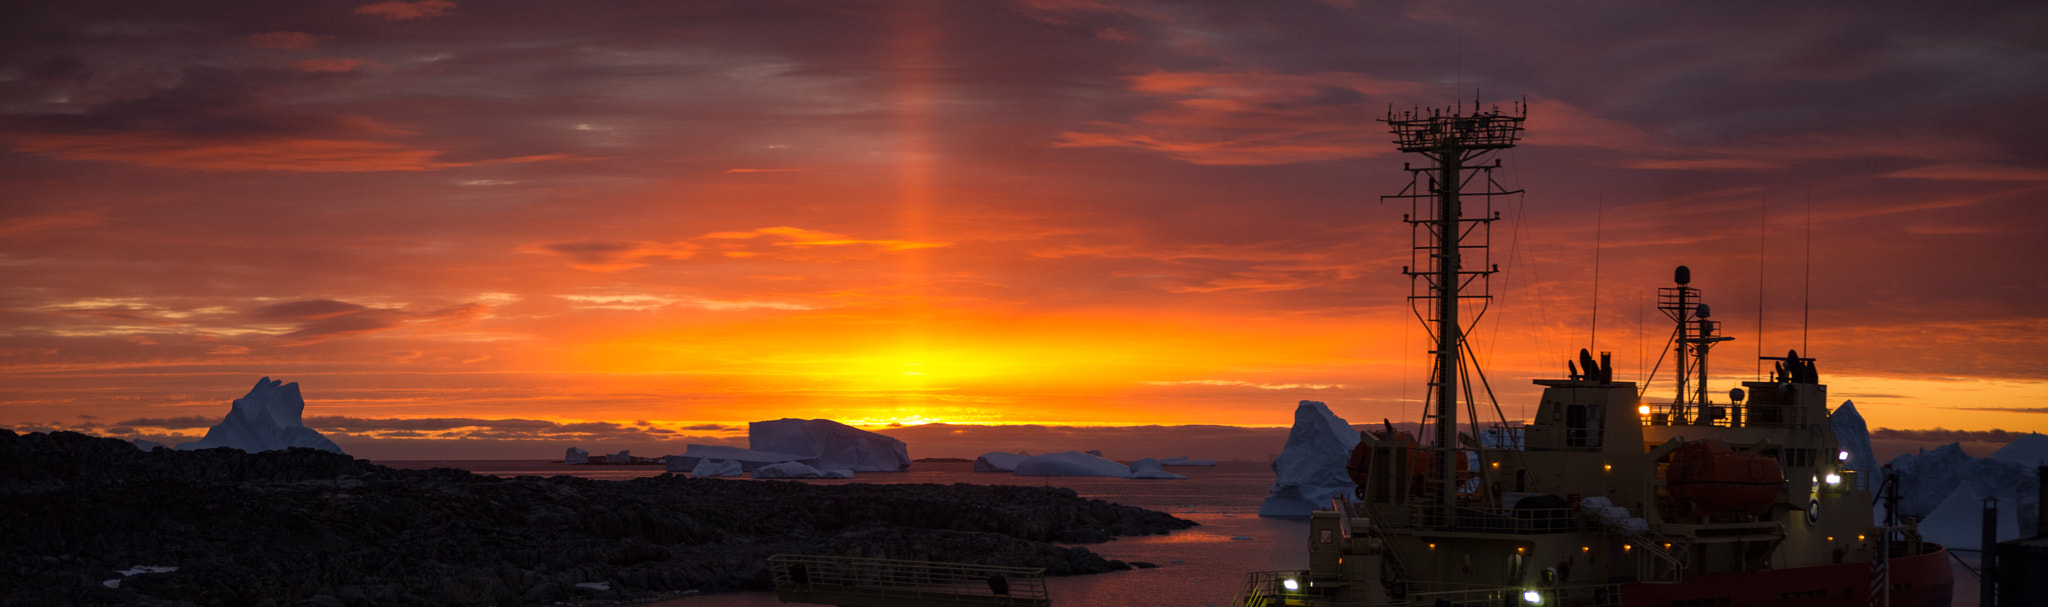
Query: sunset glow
x=670, y=220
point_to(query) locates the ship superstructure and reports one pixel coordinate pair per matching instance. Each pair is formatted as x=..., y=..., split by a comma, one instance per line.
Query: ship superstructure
x=1604, y=498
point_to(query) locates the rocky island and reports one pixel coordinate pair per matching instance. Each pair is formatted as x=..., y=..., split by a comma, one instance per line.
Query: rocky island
x=96, y=521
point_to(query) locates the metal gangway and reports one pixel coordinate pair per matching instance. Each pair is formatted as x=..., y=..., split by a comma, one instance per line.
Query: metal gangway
x=857, y=582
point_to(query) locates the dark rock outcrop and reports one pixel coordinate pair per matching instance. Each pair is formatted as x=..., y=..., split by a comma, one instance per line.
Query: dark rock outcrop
x=307, y=527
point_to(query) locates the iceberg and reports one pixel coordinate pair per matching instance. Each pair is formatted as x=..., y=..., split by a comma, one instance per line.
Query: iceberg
x=1853, y=435
x=1182, y=460
x=1929, y=479
x=836, y=446
x=1311, y=467
x=1149, y=468
x=797, y=470
x=2027, y=450
x=622, y=457
x=1071, y=463
x=998, y=461
x=269, y=418
x=1958, y=522
x=712, y=468
x=148, y=445
x=576, y=456
x=749, y=459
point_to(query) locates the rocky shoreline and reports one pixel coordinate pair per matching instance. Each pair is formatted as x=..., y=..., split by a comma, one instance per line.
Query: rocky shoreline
x=305, y=527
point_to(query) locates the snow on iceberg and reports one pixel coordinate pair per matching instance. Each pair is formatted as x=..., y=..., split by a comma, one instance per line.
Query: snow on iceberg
x=998, y=461
x=797, y=470
x=1311, y=467
x=576, y=456
x=712, y=468
x=1182, y=460
x=749, y=459
x=836, y=446
x=269, y=418
x=1071, y=463
x=1958, y=522
x=1149, y=468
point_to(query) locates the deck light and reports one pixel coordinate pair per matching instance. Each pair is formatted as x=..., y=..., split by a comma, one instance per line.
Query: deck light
x=1834, y=479
x=1532, y=597
x=1290, y=584
x=1627, y=547
x=1610, y=467
x=1644, y=410
x=1844, y=456
x=1432, y=545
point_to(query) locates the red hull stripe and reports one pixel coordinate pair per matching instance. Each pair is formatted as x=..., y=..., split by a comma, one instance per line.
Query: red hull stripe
x=1917, y=581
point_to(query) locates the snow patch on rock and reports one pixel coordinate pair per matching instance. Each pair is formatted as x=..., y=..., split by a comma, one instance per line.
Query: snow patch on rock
x=1071, y=463
x=836, y=446
x=269, y=418
x=1311, y=467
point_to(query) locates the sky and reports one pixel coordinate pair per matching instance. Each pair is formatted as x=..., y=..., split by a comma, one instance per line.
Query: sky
x=492, y=229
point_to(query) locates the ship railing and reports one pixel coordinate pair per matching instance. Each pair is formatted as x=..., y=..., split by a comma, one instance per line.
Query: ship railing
x=857, y=581
x=1486, y=520
x=1461, y=595
x=1658, y=546
x=1269, y=589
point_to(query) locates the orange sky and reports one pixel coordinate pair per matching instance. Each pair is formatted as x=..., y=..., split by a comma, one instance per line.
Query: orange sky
x=653, y=223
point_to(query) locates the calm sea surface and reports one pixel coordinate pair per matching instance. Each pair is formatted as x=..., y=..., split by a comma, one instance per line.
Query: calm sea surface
x=1197, y=567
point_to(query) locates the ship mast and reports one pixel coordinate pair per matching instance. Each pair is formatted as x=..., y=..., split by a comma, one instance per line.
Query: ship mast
x=1442, y=236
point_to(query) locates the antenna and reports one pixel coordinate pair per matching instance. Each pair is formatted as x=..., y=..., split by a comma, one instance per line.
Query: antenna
x=1442, y=236
x=1762, y=226
x=1806, y=314
x=1599, y=215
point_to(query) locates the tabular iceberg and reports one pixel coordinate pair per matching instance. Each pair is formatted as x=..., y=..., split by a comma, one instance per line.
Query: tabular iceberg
x=750, y=460
x=1149, y=468
x=797, y=470
x=1311, y=467
x=836, y=446
x=998, y=461
x=576, y=456
x=1071, y=463
x=269, y=418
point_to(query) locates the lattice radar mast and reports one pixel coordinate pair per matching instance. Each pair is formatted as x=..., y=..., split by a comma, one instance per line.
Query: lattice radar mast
x=1445, y=239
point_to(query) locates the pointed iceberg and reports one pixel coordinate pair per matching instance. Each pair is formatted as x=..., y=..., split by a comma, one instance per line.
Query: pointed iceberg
x=1311, y=467
x=269, y=418
x=1854, y=437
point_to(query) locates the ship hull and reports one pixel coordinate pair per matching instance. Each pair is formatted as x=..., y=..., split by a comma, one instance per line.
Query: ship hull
x=1922, y=580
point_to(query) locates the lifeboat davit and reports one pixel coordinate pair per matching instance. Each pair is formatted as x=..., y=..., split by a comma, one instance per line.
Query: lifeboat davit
x=1706, y=478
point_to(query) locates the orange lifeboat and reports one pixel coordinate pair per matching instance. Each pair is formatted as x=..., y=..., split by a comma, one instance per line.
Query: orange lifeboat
x=1706, y=478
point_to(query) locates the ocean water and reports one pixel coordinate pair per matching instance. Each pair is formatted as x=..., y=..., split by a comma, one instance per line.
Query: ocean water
x=1197, y=567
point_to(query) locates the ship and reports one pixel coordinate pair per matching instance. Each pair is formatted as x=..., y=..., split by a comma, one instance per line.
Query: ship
x=1604, y=498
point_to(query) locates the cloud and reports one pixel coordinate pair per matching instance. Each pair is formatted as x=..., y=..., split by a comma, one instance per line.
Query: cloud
x=1252, y=117
x=614, y=255
x=799, y=237
x=327, y=65
x=171, y=423
x=1233, y=382
x=1971, y=172
x=285, y=40
x=172, y=151
x=322, y=320
x=407, y=11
